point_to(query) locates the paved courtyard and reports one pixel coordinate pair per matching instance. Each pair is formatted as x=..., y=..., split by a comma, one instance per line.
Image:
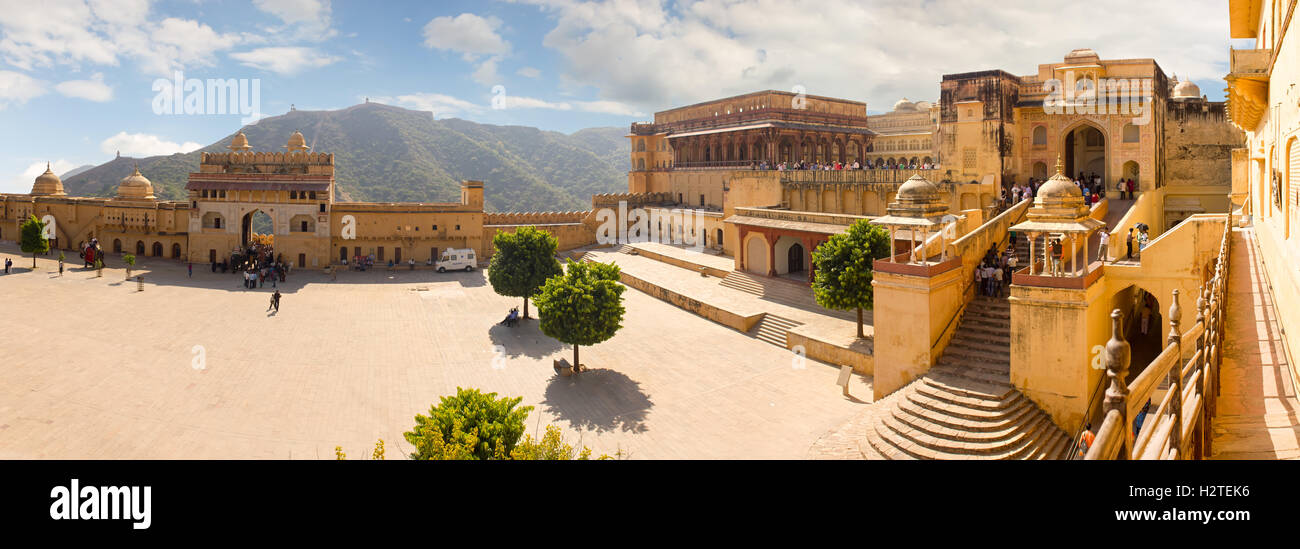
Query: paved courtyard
x=91, y=368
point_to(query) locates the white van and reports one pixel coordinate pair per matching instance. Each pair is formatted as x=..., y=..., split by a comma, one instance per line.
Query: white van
x=453, y=259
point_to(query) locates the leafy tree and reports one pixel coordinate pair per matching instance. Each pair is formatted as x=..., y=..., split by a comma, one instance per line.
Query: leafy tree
x=470, y=425
x=843, y=263
x=129, y=259
x=583, y=306
x=33, y=240
x=523, y=261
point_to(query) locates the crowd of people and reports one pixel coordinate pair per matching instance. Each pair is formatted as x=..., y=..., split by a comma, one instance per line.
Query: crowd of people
x=1090, y=186
x=993, y=276
x=257, y=263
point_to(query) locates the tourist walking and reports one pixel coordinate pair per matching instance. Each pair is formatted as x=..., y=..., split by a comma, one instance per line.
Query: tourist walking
x=1104, y=247
x=60, y=266
x=1086, y=440
x=8, y=263
x=275, y=300
x=190, y=268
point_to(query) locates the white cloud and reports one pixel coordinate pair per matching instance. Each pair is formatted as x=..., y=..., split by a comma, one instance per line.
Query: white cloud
x=437, y=103
x=143, y=144
x=486, y=73
x=529, y=72
x=91, y=90
x=467, y=34
x=306, y=19
x=601, y=107
x=655, y=54
x=284, y=59
x=17, y=88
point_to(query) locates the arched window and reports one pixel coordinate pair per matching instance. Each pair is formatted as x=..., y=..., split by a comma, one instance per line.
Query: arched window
x=1131, y=134
x=293, y=195
x=1040, y=135
x=640, y=163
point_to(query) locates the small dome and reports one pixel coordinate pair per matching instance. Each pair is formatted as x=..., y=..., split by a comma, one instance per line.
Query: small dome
x=240, y=142
x=917, y=189
x=1081, y=55
x=48, y=183
x=1059, y=186
x=135, y=186
x=903, y=105
x=297, y=142
x=1187, y=90
x=923, y=105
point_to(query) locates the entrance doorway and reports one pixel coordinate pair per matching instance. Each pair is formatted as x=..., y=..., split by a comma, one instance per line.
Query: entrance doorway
x=795, y=258
x=1085, y=152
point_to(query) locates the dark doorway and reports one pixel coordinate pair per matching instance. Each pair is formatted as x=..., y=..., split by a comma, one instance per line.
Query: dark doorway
x=343, y=254
x=795, y=258
x=302, y=261
x=176, y=251
x=212, y=256
x=117, y=246
x=397, y=255
x=157, y=249
x=139, y=247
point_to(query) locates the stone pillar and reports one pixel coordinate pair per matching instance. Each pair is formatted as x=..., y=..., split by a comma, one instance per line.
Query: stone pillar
x=919, y=308
x=1058, y=372
x=771, y=253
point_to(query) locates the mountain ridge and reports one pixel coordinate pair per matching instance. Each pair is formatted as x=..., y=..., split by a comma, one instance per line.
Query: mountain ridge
x=384, y=153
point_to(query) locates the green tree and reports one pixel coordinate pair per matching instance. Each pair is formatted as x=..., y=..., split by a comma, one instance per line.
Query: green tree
x=583, y=306
x=523, y=261
x=470, y=425
x=843, y=264
x=129, y=259
x=33, y=238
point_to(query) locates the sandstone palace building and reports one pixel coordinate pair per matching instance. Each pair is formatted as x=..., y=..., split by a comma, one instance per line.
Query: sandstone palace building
x=760, y=180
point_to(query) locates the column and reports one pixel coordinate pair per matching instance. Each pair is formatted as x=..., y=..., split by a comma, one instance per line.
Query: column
x=771, y=253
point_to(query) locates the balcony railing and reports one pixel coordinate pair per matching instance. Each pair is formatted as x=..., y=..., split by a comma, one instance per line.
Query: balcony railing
x=1180, y=428
x=859, y=176
x=1250, y=63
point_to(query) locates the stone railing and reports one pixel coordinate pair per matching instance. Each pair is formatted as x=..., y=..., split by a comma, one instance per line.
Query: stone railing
x=632, y=199
x=859, y=176
x=534, y=218
x=1180, y=428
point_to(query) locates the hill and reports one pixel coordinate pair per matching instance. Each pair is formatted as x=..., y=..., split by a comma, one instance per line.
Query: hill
x=390, y=154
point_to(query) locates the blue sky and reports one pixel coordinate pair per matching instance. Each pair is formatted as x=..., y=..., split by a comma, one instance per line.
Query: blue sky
x=77, y=76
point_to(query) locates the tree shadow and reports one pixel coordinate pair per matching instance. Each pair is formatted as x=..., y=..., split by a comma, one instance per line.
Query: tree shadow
x=525, y=338
x=601, y=399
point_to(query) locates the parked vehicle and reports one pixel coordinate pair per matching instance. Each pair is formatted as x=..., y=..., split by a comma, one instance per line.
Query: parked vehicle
x=453, y=259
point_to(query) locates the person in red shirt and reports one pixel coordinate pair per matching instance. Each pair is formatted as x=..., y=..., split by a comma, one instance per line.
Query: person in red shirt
x=1131, y=188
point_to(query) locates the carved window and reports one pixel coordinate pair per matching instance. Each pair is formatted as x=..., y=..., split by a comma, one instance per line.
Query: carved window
x=1040, y=135
x=1131, y=134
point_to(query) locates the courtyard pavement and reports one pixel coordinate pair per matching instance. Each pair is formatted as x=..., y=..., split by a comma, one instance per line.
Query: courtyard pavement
x=200, y=368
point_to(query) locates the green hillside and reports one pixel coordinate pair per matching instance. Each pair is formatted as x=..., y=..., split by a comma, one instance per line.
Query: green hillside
x=390, y=154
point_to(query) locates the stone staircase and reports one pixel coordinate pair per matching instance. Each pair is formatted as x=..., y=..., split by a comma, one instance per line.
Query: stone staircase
x=772, y=329
x=965, y=407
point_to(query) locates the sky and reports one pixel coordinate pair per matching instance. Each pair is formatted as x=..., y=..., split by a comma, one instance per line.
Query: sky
x=81, y=80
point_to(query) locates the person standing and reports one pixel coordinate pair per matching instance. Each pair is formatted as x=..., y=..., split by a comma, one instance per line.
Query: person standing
x=1146, y=317
x=190, y=267
x=60, y=266
x=1131, y=187
x=1128, y=242
x=1104, y=247
x=275, y=299
x=8, y=263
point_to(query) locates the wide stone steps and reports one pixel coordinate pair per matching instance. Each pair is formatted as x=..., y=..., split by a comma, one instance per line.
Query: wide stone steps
x=772, y=329
x=965, y=407
x=1033, y=439
x=785, y=292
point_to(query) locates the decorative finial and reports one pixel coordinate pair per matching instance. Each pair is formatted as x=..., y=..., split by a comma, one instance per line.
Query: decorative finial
x=1060, y=167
